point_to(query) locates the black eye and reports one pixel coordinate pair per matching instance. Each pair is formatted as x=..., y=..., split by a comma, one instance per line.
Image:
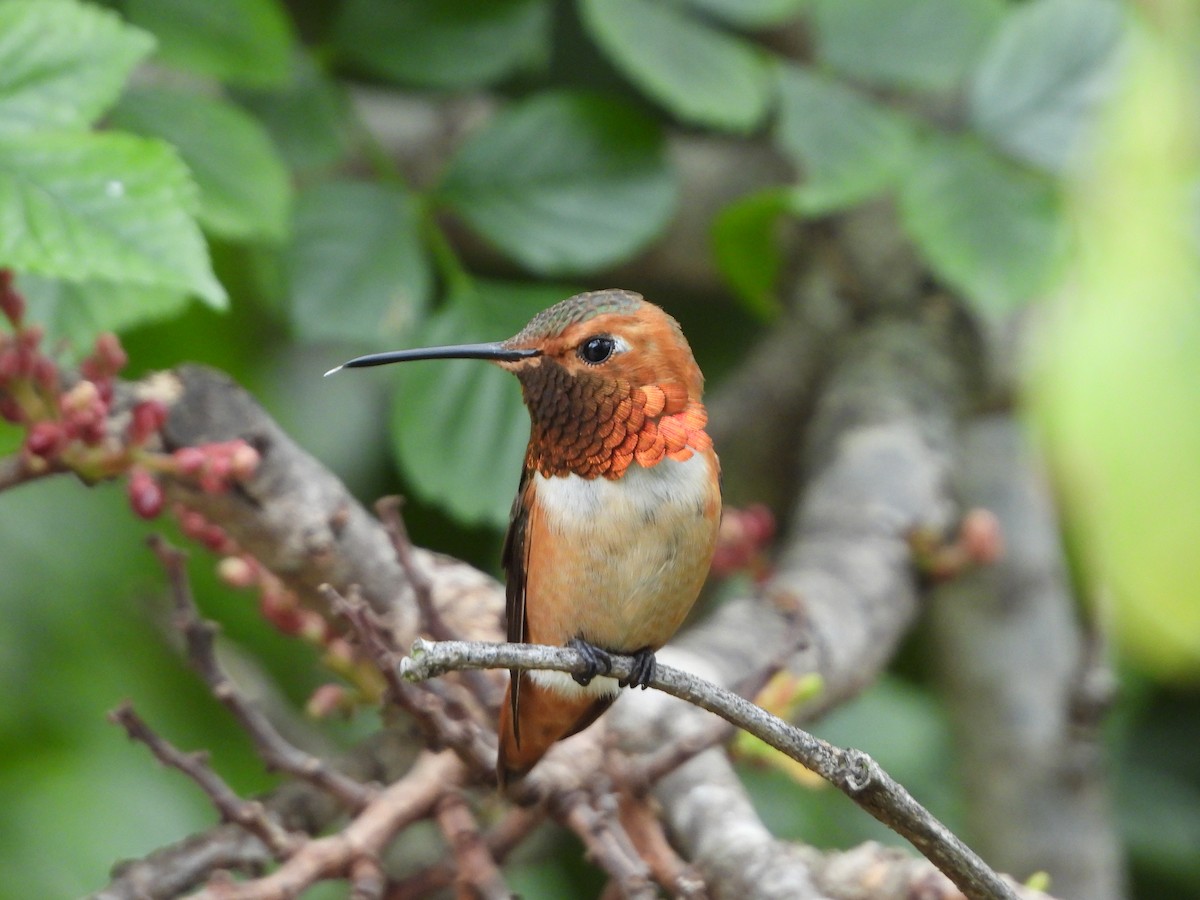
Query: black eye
x=596, y=350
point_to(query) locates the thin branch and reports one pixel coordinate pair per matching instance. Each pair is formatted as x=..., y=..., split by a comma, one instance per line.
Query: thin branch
x=851, y=771
x=277, y=752
x=388, y=509
x=396, y=807
x=249, y=814
x=645, y=829
x=606, y=843
x=478, y=875
x=14, y=471
x=501, y=840
x=443, y=727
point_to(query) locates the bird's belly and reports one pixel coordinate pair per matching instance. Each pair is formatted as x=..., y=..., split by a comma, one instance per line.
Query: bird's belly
x=622, y=561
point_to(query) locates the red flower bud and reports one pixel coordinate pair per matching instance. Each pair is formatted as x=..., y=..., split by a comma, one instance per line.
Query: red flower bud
x=189, y=460
x=45, y=439
x=146, y=419
x=145, y=494
x=12, y=304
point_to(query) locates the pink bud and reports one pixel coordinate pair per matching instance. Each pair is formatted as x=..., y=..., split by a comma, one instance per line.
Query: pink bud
x=981, y=536
x=146, y=419
x=189, y=460
x=79, y=399
x=326, y=700
x=237, y=571
x=192, y=523
x=45, y=374
x=243, y=461
x=45, y=439
x=110, y=354
x=10, y=410
x=145, y=494
x=12, y=304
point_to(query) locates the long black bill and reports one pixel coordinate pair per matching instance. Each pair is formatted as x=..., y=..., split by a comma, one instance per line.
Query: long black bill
x=494, y=352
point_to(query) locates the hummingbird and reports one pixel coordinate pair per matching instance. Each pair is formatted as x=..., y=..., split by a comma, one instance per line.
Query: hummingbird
x=615, y=520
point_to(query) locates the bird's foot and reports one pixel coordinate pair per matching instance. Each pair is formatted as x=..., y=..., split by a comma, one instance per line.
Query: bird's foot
x=598, y=661
x=642, y=672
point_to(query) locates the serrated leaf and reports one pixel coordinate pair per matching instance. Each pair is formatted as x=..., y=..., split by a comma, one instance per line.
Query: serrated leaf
x=703, y=75
x=109, y=207
x=986, y=227
x=849, y=147
x=921, y=44
x=444, y=43
x=245, y=42
x=1045, y=74
x=356, y=267
x=746, y=251
x=751, y=13
x=76, y=312
x=244, y=187
x=307, y=118
x=564, y=183
x=62, y=63
x=458, y=426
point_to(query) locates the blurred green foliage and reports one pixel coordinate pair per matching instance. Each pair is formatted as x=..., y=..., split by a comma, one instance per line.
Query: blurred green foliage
x=237, y=172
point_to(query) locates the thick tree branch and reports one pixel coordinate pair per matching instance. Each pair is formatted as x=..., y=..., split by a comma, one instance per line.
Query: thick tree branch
x=1011, y=652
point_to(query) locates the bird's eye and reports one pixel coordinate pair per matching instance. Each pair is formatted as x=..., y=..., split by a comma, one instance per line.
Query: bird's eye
x=596, y=350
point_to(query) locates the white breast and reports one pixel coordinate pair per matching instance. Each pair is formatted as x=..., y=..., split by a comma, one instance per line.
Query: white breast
x=641, y=547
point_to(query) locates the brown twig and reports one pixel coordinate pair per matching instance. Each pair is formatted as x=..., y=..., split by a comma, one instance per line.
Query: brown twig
x=432, y=621
x=510, y=831
x=478, y=876
x=393, y=809
x=606, y=843
x=443, y=726
x=14, y=471
x=388, y=509
x=276, y=751
x=645, y=830
x=249, y=814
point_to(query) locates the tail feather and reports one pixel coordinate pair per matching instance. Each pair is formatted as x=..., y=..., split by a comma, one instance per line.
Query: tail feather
x=544, y=717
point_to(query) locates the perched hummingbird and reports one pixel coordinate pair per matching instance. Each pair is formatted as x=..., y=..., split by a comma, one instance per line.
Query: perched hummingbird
x=615, y=520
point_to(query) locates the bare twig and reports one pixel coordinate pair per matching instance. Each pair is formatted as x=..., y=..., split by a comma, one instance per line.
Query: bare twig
x=397, y=806
x=458, y=731
x=645, y=829
x=851, y=771
x=388, y=509
x=14, y=471
x=478, y=876
x=513, y=828
x=277, y=752
x=249, y=814
x=607, y=844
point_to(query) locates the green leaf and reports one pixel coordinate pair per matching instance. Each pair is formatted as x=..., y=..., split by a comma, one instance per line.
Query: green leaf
x=444, y=43
x=986, y=227
x=1044, y=76
x=848, y=147
x=109, y=207
x=78, y=311
x=458, y=426
x=750, y=13
x=746, y=251
x=245, y=42
x=922, y=44
x=244, y=187
x=356, y=267
x=565, y=183
x=62, y=63
x=703, y=75
x=307, y=118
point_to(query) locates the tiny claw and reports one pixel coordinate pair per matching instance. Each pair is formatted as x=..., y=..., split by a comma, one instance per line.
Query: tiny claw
x=597, y=661
x=641, y=673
